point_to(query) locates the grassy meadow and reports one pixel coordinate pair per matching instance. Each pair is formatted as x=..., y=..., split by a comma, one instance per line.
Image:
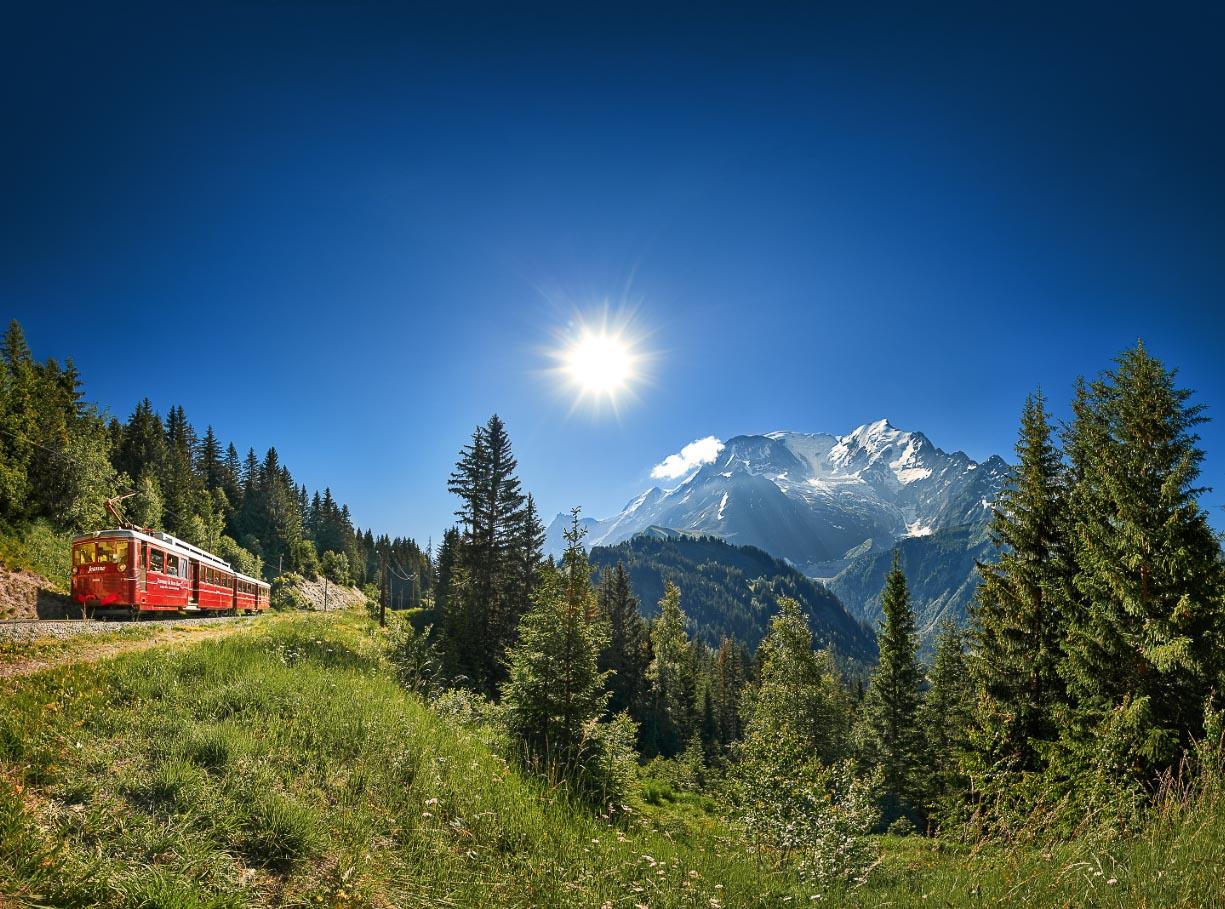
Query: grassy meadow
x=283, y=766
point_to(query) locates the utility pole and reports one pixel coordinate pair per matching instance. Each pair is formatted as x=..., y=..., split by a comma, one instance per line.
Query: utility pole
x=325, y=593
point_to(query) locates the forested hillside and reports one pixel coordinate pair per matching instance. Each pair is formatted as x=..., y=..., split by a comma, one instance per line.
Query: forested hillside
x=732, y=591
x=62, y=457
x=1089, y=675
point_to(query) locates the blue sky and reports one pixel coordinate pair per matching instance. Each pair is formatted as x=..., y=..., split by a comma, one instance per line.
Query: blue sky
x=382, y=216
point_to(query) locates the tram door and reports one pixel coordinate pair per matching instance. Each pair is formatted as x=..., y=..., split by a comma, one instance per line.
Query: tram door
x=195, y=581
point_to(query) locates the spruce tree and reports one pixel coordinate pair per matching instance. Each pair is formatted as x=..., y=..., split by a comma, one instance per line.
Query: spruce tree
x=728, y=684
x=798, y=705
x=1145, y=637
x=493, y=523
x=555, y=688
x=1018, y=621
x=670, y=721
x=893, y=737
x=627, y=653
x=946, y=715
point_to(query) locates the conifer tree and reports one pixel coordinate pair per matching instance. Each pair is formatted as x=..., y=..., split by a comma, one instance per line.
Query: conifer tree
x=946, y=716
x=19, y=421
x=627, y=653
x=1145, y=638
x=555, y=688
x=1018, y=622
x=798, y=705
x=495, y=533
x=727, y=684
x=670, y=721
x=209, y=463
x=893, y=737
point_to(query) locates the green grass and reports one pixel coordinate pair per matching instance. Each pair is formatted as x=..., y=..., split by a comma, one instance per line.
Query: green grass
x=283, y=766
x=39, y=548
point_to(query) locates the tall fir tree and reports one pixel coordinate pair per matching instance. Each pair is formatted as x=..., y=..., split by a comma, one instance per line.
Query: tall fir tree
x=1146, y=632
x=670, y=720
x=555, y=688
x=1018, y=621
x=496, y=534
x=727, y=686
x=946, y=715
x=893, y=737
x=628, y=651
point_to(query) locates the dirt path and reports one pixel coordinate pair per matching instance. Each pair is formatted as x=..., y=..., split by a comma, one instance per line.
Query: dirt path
x=42, y=653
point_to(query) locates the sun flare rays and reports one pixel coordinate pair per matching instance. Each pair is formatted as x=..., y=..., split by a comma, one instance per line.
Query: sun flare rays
x=600, y=362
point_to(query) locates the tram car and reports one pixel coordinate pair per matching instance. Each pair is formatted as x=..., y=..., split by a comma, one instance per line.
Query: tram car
x=138, y=572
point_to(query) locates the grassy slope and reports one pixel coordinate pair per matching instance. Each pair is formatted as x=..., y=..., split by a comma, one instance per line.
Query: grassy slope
x=283, y=766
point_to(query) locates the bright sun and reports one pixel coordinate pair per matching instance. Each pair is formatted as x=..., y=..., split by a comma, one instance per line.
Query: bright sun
x=600, y=364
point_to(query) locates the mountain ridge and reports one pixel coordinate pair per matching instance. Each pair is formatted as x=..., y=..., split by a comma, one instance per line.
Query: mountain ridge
x=827, y=504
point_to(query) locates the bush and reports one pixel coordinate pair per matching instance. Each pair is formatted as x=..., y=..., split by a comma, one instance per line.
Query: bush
x=415, y=661
x=608, y=761
x=335, y=567
x=304, y=559
x=286, y=595
x=821, y=816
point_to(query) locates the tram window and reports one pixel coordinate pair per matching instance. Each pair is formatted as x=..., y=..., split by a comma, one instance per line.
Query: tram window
x=156, y=561
x=172, y=565
x=113, y=552
x=83, y=554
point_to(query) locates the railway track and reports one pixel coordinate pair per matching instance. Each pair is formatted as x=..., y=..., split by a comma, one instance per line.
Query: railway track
x=22, y=630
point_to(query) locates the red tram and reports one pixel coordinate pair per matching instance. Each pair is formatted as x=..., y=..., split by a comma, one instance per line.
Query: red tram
x=137, y=572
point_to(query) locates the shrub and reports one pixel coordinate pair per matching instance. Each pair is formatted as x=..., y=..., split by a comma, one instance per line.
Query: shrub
x=819, y=816
x=608, y=761
x=286, y=595
x=415, y=661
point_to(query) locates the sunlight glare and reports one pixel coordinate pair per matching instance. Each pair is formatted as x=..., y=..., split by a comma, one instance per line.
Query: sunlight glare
x=600, y=363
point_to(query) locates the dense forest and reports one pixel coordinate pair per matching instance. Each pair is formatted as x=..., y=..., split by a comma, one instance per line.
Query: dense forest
x=732, y=591
x=61, y=458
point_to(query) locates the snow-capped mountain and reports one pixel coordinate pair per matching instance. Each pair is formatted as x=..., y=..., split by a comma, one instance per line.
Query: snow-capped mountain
x=817, y=499
x=823, y=501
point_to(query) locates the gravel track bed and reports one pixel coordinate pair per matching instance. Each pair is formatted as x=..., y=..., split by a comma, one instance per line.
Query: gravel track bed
x=62, y=630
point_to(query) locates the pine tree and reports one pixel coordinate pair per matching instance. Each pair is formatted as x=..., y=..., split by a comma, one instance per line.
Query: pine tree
x=798, y=705
x=893, y=735
x=19, y=422
x=555, y=688
x=495, y=534
x=946, y=716
x=209, y=464
x=1146, y=629
x=670, y=721
x=728, y=683
x=627, y=653
x=1018, y=622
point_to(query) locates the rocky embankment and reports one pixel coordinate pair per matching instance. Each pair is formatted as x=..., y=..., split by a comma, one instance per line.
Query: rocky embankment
x=26, y=595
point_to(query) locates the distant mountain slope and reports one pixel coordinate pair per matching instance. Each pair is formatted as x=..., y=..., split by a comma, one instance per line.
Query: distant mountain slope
x=732, y=590
x=835, y=507
x=940, y=570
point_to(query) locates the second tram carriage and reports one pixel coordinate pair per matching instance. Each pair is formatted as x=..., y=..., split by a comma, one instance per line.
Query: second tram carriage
x=137, y=572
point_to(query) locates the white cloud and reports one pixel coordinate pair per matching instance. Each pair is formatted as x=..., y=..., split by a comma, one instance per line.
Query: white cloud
x=695, y=454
